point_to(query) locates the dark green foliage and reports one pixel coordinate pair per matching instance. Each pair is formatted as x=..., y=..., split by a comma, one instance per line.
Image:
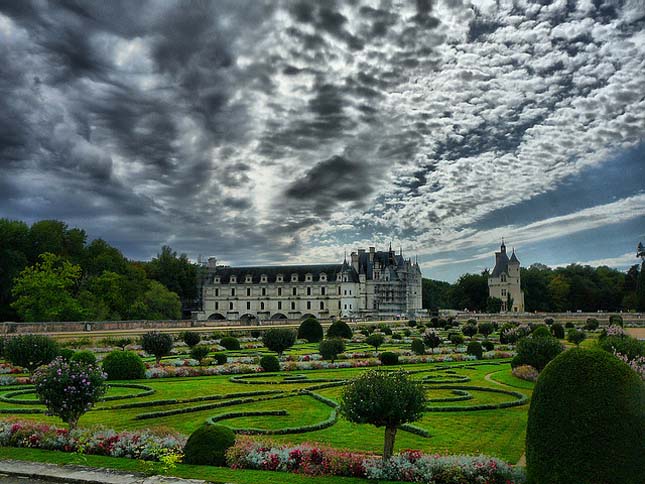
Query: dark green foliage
x=191, y=338
x=230, y=343
x=456, y=338
x=475, y=348
x=412, y=323
x=616, y=320
x=311, y=330
x=389, y=358
x=435, y=294
x=330, y=348
x=541, y=331
x=569, y=324
x=431, y=338
x=199, y=352
x=470, y=292
x=375, y=340
x=592, y=324
x=586, y=422
x=493, y=305
x=548, y=321
x=279, y=339
x=625, y=345
x=157, y=344
x=488, y=345
x=208, y=445
x=407, y=332
x=31, y=350
x=469, y=329
x=123, y=365
x=220, y=358
x=339, y=329
x=485, y=329
x=383, y=399
x=397, y=336
x=576, y=336
x=270, y=363
x=536, y=352
x=418, y=347
x=256, y=333
x=66, y=353
x=176, y=273
x=557, y=330
x=385, y=329
x=85, y=357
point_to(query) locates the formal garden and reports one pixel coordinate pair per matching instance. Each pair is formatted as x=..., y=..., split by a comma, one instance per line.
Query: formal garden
x=441, y=401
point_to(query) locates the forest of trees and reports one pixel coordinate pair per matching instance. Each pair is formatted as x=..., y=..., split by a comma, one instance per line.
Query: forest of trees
x=569, y=288
x=49, y=272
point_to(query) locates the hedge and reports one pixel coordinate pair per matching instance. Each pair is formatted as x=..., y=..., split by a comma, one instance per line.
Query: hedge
x=521, y=400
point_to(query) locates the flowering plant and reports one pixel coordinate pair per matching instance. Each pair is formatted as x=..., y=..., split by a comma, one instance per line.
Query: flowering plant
x=69, y=388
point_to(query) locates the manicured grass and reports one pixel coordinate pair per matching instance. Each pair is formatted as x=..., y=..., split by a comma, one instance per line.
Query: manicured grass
x=507, y=378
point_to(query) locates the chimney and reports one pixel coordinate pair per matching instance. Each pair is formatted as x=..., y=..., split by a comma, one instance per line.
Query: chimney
x=212, y=262
x=371, y=256
x=354, y=257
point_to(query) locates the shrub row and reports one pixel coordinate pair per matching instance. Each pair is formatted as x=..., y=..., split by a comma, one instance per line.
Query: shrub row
x=521, y=399
x=462, y=395
x=256, y=413
x=413, y=429
x=285, y=381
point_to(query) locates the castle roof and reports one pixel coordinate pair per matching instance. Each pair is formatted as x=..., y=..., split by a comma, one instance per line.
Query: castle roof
x=331, y=270
x=514, y=258
x=501, y=264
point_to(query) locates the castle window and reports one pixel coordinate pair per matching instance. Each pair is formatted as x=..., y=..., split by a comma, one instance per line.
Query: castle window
x=293, y=306
x=294, y=277
x=338, y=304
x=216, y=305
x=502, y=278
x=216, y=280
x=503, y=292
x=262, y=306
x=294, y=291
x=232, y=291
x=339, y=290
x=263, y=278
x=217, y=292
x=322, y=305
x=279, y=304
x=308, y=291
x=308, y=304
x=264, y=291
x=248, y=305
x=323, y=277
x=308, y=277
x=279, y=278
x=322, y=291
x=233, y=279
x=248, y=291
x=230, y=306
x=345, y=306
x=279, y=291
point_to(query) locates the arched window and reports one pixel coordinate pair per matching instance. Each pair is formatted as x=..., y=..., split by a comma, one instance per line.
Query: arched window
x=262, y=306
x=322, y=305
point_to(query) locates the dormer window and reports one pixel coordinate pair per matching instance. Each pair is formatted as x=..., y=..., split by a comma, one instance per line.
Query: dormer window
x=308, y=277
x=216, y=280
x=280, y=278
x=233, y=279
x=294, y=277
x=323, y=277
x=263, y=278
x=248, y=279
x=502, y=278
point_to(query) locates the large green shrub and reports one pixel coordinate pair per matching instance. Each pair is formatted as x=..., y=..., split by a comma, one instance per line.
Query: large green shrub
x=486, y=329
x=389, y=358
x=375, y=340
x=311, y=330
x=86, y=357
x=557, y=330
x=417, y=347
x=157, y=344
x=431, y=338
x=488, y=345
x=339, y=329
x=123, y=365
x=220, y=358
x=536, y=352
x=30, y=350
x=208, y=445
x=191, y=338
x=616, y=320
x=230, y=343
x=199, y=352
x=541, y=331
x=624, y=344
x=279, y=339
x=66, y=353
x=456, y=338
x=576, y=336
x=591, y=324
x=330, y=348
x=586, y=422
x=270, y=363
x=469, y=329
x=475, y=348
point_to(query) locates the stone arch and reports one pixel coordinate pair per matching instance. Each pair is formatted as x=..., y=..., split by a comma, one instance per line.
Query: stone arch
x=216, y=317
x=308, y=315
x=278, y=316
x=248, y=318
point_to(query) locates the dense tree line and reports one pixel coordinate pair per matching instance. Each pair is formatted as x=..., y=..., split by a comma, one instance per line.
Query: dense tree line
x=569, y=288
x=49, y=272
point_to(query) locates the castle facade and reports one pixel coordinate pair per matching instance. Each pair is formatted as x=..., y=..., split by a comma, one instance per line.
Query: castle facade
x=504, y=281
x=372, y=284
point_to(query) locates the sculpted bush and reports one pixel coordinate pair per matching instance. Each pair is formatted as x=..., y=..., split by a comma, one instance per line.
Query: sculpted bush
x=311, y=330
x=339, y=329
x=30, y=350
x=123, y=365
x=157, y=344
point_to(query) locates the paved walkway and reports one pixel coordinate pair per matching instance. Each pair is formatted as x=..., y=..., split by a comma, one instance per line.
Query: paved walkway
x=18, y=472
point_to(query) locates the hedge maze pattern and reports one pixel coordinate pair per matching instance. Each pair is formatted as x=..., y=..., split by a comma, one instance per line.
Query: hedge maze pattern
x=453, y=396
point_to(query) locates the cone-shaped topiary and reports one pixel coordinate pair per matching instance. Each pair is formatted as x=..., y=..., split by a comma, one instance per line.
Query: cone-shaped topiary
x=586, y=422
x=311, y=330
x=208, y=445
x=339, y=329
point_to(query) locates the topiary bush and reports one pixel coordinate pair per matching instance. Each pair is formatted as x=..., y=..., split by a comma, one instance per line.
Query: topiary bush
x=199, y=352
x=475, y=348
x=279, y=339
x=469, y=329
x=456, y=339
x=592, y=324
x=536, y=352
x=569, y=325
x=576, y=336
x=485, y=329
x=330, y=348
x=311, y=330
x=123, y=365
x=86, y=357
x=66, y=353
x=548, y=321
x=157, y=344
x=431, y=338
x=541, y=331
x=557, y=330
x=208, y=445
x=30, y=350
x=417, y=347
x=488, y=345
x=375, y=340
x=339, y=329
x=389, y=358
x=586, y=422
x=412, y=323
x=191, y=338
x=230, y=343
x=270, y=363
x=616, y=320
x=220, y=358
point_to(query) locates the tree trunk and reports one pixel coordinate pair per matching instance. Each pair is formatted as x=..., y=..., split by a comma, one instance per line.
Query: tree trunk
x=388, y=448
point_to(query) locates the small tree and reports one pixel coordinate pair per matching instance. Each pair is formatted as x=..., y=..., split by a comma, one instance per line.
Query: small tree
x=418, y=347
x=591, y=324
x=493, y=305
x=331, y=348
x=191, y=338
x=383, y=399
x=576, y=336
x=557, y=330
x=157, y=344
x=279, y=339
x=486, y=329
x=69, y=388
x=199, y=352
x=31, y=350
x=475, y=348
x=469, y=330
x=431, y=338
x=339, y=329
x=375, y=340
x=311, y=330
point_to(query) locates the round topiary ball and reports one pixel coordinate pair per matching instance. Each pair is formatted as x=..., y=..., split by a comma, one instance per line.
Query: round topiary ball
x=311, y=330
x=123, y=365
x=84, y=356
x=389, y=358
x=475, y=348
x=208, y=445
x=586, y=422
x=270, y=363
x=339, y=329
x=230, y=343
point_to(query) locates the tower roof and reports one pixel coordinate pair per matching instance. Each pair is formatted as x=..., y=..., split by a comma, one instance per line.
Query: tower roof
x=514, y=259
x=501, y=264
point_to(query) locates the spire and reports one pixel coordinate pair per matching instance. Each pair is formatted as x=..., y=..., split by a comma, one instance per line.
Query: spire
x=345, y=258
x=503, y=246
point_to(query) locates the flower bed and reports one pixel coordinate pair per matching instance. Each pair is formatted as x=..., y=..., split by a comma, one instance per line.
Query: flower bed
x=143, y=444
x=412, y=466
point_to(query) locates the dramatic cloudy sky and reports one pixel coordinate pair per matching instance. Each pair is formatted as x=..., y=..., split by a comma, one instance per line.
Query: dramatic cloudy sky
x=289, y=131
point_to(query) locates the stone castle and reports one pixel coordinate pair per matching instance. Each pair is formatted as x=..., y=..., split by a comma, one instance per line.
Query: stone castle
x=504, y=281
x=372, y=285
